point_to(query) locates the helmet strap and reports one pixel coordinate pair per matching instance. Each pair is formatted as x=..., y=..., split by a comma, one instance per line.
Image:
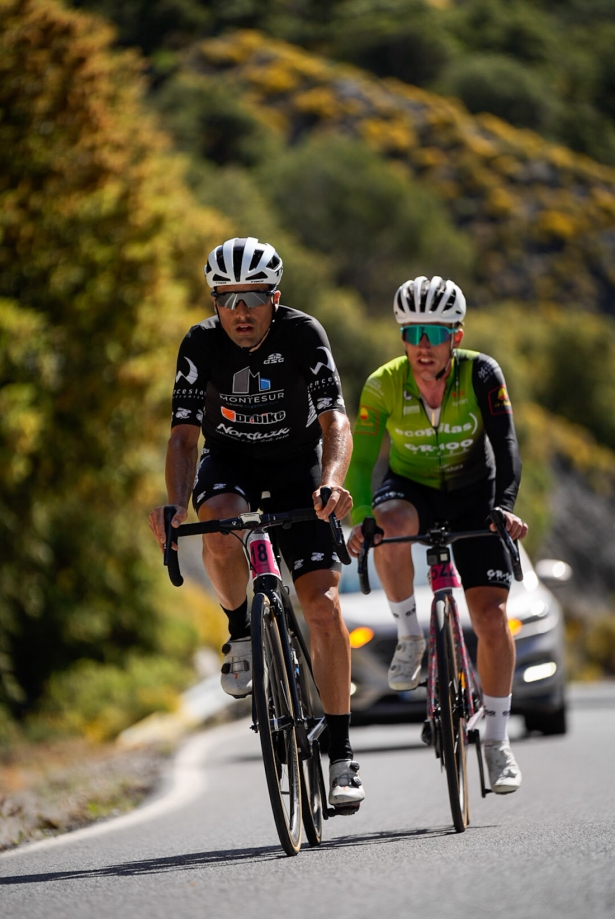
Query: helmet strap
x=446, y=367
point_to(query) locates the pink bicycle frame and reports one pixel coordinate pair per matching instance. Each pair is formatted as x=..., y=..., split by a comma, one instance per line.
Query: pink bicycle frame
x=443, y=578
x=262, y=556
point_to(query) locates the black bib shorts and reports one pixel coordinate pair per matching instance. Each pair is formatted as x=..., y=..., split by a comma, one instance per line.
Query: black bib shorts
x=304, y=546
x=481, y=562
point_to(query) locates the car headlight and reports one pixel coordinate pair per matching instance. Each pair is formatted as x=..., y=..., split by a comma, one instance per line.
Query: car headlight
x=539, y=672
x=360, y=636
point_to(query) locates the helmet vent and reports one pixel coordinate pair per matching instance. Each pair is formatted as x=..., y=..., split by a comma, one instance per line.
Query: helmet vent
x=238, y=251
x=256, y=257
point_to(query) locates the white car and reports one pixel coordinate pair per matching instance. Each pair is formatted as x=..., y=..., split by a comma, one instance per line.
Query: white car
x=536, y=621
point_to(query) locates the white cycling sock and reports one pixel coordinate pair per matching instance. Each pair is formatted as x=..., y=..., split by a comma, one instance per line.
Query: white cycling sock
x=497, y=713
x=404, y=614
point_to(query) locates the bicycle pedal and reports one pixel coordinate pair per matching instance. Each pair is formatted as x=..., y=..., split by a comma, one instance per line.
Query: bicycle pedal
x=344, y=811
x=427, y=734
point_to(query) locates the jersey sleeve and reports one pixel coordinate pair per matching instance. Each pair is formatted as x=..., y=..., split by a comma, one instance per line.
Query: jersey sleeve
x=191, y=377
x=496, y=409
x=318, y=367
x=367, y=435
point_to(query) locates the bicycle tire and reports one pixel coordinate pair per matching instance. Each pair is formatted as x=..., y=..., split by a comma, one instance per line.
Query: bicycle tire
x=311, y=768
x=452, y=721
x=276, y=725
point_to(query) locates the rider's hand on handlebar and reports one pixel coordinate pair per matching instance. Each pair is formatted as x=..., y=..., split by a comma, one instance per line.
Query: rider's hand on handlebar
x=340, y=502
x=156, y=522
x=356, y=540
x=515, y=526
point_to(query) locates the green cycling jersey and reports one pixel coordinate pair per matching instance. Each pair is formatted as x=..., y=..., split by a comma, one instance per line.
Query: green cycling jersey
x=472, y=440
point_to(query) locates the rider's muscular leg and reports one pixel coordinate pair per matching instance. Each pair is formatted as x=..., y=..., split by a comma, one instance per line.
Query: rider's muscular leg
x=496, y=647
x=223, y=556
x=330, y=646
x=394, y=562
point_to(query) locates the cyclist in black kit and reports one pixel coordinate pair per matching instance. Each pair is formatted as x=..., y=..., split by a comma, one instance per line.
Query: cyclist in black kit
x=259, y=380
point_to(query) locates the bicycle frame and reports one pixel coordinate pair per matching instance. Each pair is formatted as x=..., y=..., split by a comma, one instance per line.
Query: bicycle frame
x=443, y=578
x=267, y=579
x=465, y=708
x=292, y=710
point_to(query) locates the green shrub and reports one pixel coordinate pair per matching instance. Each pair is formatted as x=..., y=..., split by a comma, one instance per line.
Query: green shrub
x=99, y=243
x=600, y=644
x=377, y=226
x=207, y=119
x=98, y=700
x=506, y=88
x=411, y=50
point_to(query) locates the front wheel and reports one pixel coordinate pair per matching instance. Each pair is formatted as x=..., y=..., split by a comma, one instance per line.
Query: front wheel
x=311, y=769
x=276, y=725
x=452, y=720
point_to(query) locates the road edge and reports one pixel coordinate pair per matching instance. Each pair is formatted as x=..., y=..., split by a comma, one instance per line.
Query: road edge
x=184, y=781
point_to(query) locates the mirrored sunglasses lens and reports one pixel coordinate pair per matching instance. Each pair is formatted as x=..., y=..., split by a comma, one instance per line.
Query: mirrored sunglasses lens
x=251, y=298
x=436, y=334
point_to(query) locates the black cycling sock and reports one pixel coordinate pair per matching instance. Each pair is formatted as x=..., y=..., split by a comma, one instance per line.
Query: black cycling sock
x=238, y=621
x=339, y=739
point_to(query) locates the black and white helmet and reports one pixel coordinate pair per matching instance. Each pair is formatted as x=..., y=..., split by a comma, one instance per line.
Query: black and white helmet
x=425, y=300
x=243, y=261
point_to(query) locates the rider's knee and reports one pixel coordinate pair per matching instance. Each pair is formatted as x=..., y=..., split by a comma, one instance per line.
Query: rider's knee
x=321, y=609
x=490, y=622
x=218, y=546
x=397, y=518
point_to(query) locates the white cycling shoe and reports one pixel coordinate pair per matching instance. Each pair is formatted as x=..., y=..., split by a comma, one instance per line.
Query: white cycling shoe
x=405, y=669
x=345, y=785
x=504, y=773
x=236, y=679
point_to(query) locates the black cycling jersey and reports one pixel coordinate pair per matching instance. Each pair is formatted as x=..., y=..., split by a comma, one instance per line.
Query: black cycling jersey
x=261, y=404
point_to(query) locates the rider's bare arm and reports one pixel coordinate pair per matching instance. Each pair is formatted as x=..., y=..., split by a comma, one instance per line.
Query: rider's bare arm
x=336, y=453
x=182, y=455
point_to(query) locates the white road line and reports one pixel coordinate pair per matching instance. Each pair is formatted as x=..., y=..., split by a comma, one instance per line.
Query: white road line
x=185, y=783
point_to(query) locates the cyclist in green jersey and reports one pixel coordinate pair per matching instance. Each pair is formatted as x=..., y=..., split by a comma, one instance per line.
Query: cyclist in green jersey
x=453, y=456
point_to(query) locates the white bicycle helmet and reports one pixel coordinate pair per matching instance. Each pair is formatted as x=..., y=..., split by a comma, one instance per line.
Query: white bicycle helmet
x=425, y=300
x=243, y=261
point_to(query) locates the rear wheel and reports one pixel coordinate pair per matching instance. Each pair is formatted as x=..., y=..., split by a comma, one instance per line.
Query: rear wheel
x=276, y=725
x=452, y=721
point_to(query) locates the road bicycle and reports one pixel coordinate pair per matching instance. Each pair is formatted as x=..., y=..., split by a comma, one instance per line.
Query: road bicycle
x=284, y=693
x=454, y=696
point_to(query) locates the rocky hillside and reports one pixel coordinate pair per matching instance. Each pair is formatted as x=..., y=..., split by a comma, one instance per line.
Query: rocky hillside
x=541, y=217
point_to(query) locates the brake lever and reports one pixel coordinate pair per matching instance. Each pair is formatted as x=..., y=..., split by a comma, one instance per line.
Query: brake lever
x=497, y=518
x=336, y=530
x=370, y=530
x=171, y=556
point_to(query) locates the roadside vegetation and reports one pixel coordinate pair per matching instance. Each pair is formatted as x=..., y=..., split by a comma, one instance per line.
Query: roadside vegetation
x=323, y=128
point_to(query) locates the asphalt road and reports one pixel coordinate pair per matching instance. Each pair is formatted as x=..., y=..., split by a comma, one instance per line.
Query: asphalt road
x=209, y=847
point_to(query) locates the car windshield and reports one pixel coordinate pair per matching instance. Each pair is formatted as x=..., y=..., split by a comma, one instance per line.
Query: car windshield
x=349, y=583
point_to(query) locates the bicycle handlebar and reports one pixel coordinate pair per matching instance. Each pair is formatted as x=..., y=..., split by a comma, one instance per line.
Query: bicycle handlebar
x=336, y=530
x=438, y=536
x=251, y=520
x=512, y=546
